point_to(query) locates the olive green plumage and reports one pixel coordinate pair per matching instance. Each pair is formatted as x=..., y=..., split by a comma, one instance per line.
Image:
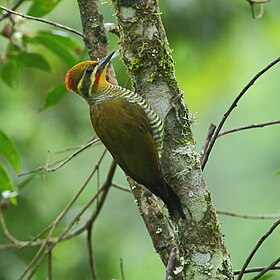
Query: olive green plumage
x=128, y=127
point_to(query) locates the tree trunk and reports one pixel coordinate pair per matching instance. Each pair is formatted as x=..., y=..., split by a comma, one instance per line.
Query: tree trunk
x=198, y=244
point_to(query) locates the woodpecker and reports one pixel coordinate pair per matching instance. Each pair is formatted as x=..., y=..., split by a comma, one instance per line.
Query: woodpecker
x=127, y=125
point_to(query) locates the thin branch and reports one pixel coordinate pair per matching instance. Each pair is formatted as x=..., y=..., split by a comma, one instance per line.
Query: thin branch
x=265, y=270
x=6, y=230
x=58, y=25
x=258, y=1
x=35, y=241
x=95, y=214
x=97, y=183
x=74, y=148
x=94, y=141
x=248, y=216
x=36, y=238
x=261, y=10
x=105, y=187
x=50, y=271
x=253, y=3
x=255, y=249
x=255, y=269
x=59, y=218
x=25, y=244
x=170, y=265
x=231, y=108
x=64, y=235
x=208, y=138
x=56, y=165
x=122, y=269
x=65, y=210
x=12, y=8
x=90, y=254
x=258, y=125
x=45, y=242
x=121, y=188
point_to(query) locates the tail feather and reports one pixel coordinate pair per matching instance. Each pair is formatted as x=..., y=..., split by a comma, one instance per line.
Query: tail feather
x=173, y=203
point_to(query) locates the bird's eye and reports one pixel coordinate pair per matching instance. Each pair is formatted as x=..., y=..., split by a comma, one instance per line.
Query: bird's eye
x=89, y=70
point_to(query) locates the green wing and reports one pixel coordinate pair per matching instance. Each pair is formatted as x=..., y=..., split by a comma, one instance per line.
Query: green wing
x=124, y=129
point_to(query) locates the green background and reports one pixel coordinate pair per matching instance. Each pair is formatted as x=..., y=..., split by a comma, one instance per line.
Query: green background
x=218, y=48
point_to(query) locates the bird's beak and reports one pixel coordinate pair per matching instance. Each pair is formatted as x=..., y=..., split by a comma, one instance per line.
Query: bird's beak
x=104, y=61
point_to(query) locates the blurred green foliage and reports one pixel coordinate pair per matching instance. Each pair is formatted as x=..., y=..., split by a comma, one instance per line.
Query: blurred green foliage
x=217, y=47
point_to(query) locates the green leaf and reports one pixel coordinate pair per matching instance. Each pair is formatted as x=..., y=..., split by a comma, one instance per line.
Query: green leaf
x=55, y=95
x=63, y=39
x=277, y=172
x=266, y=276
x=40, y=8
x=5, y=181
x=10, y=70
x=10, y=73
x=9, y=151
x=13, y=200
x=60, y=45
x=34, y=60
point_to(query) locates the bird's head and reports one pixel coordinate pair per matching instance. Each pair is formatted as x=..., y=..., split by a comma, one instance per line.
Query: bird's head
x=88, y=76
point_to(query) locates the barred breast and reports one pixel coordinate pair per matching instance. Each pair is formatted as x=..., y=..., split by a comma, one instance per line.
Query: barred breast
x=114, y=91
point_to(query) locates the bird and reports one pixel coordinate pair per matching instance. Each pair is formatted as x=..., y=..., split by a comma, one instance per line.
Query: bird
x=128, y=127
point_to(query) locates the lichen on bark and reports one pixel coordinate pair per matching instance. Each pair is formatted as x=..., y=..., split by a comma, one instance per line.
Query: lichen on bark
x=147, y=55
x=201, y=253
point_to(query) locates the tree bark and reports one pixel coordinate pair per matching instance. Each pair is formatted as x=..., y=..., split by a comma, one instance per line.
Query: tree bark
x=147, y=55
x=200, y=252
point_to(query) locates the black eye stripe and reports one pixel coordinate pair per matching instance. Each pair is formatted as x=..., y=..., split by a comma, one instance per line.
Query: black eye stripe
x=90, y=69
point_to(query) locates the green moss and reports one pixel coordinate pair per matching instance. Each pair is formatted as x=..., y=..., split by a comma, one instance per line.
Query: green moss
x=133, y=63
x=158, y=230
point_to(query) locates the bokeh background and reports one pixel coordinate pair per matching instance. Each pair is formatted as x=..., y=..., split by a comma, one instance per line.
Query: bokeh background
x=217, y=47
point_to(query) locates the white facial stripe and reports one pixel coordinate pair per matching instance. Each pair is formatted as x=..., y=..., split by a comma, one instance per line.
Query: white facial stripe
x=92, y=77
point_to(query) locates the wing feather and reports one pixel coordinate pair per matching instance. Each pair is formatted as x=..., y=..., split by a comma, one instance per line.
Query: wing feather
x=124, y=129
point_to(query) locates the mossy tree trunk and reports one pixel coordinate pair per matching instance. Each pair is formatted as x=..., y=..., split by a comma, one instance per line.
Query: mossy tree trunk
x=198, y=244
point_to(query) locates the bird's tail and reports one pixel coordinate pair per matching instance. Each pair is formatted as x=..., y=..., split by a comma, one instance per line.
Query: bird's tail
x=173, y=203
